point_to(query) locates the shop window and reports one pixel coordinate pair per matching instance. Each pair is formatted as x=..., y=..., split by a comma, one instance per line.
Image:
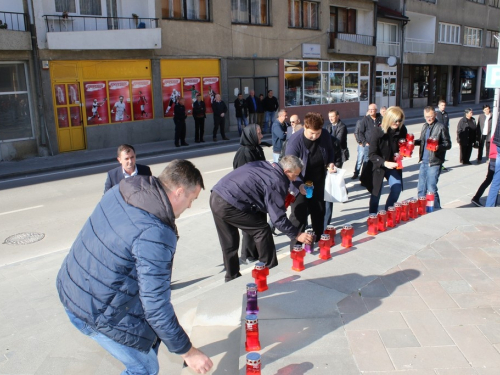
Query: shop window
x=293, y=89
x=449, y=34
x=83, y=7
x=15, y=115
x=193, y=10
x=495, y=3
x=491, y=39
x=303, y=14
x=477, y=1
x=473, y=37
x=420, y=82
x=254, y=12
x=342, y=20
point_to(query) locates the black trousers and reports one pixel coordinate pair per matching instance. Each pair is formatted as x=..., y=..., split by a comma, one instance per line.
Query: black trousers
x=314, y=206
x=199, y=128
x=485, y=184
x=180, y=131
x=480, y=149
x=228, y=220
x=465, y=152
x=219, y=122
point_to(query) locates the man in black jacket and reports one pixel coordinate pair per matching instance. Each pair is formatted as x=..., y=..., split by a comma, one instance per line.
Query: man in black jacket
x=180, y=123
x=466, y=135
x=199, y=115
x=431, y=161
x=252, y=106
x=270, y=104
x=483, y=134
x=338, y=130
x=220, y=110
x=370, y=121
x=240, y=107
x=126, y=157
x=241, y=200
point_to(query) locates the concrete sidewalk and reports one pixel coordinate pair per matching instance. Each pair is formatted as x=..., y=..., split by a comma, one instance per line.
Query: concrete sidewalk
x=85, y=158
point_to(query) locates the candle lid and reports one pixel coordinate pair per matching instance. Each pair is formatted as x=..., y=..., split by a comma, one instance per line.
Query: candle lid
x=413, y=200
x=330, y=227
x=309, y=183
x=325, y=237
x=405, y=203
x=391, y=208
x=251, y=318
x=382, y=212
x=297, y=247
x=260, y=265
x=310, y=231
x=422, y=198
x=251, y=286
x=397, y=204
x=430, y=193
x=253, y=357
x=347, y=226
x=372, y=216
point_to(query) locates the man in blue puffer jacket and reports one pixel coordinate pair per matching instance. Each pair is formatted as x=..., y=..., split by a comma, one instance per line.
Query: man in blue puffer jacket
x=115, y=281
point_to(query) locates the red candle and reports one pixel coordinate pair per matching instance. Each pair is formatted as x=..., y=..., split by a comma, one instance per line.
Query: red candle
x=399, y=209
x=410, y=145
x=252, y=330
x=289, y=199
x=405, y=214
x=432, y=144
x=324, y=247
x=382, y=221
x=391, y=217
x=372, y=224
x=410, y=137
x=413, y=208
x=298, y=254
x=330, y=229
x=347, y=233
x=253, y=364
x=398, y=158
x=402, y=146
x=260, y=273
x=422, y=203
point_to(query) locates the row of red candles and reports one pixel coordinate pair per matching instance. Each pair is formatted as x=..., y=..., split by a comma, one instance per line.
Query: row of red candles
x=406, y=147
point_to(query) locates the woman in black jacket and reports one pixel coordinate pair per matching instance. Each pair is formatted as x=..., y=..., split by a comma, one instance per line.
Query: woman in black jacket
x=383, y=146
x=250, y=150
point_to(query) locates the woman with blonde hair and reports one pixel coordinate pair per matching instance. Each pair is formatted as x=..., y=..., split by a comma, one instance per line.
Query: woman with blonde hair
x=384, y=144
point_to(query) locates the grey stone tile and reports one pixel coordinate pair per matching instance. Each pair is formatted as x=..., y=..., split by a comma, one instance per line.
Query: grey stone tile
x=427, y=357
x=475, y=347
x=492, y=271
x=434, y=295
x=401, y=372
x=456, y=287
x=428, y=253
x=479, y=281
x=352, y=304
x=395, y=303
x=491, y=331
x=456, y=371
x=398, y=338
x=369, y=351
x=427, y=329
x=373, y=320
x=448, y=263
x=488, y=371
x=456, y=317
x=477, y=256
x=477, y=300
x=374, y=289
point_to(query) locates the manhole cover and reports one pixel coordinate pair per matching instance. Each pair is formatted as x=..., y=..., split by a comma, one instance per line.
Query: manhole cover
x=24, y=238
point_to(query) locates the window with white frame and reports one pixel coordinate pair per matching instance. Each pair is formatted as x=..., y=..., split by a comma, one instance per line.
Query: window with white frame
x=473, y=37
x=491, y=41
x=15, y=112
x=253, y=12
x=83, y=7
x=197, y=10
x=448, y=33
x=303, y=14
x=387, y=32
x=477, y=1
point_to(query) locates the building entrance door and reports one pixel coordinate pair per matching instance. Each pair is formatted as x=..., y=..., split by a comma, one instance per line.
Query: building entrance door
x=385, y=89
x=69, y=122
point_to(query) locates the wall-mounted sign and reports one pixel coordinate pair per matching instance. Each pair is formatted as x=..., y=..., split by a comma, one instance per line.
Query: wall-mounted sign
x=311, y=51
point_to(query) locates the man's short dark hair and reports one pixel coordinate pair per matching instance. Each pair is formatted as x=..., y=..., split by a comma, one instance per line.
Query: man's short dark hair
x=467, y=110
x=334, y=111
x=486, y=106
x=124, y=147
x=442, y=101
x=268, y=91
x=429, y=109
x=181, y=173
x=313, y=121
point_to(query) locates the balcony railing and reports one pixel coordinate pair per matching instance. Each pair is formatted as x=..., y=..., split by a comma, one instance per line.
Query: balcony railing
x=419, y=46
x=354, y=38
x=387, y=49
x=14, y=21
x=57, y=23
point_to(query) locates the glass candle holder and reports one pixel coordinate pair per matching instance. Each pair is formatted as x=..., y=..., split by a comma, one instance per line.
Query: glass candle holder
x=253, y=364
x=252, y=332
x=399, y=208
x=330, y=230
x=410, y=146
x=410, y=137
x=289, y=199
x=413, y=208
x=405, y=211
x=372, y=223
x=297, y=254
x=430, y=202
x=310, y=247
x=432, y=144
x=402, y=145
x=422, y=203
x=260, y=273
x=252, y=304
x=309, y=186
x=391, y=217
x=347, y=233
x=398, y=158
x=382, y=221
x=324, y=247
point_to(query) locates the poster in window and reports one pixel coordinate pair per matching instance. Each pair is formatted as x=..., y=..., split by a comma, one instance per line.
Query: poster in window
x=75, y=116
x=60, y=92
x=192, y=86
x=62, y=117
x=210, y=89
x=119, y=101
x=95, y=98
x=142, y=99
x=73, y=94
x=171, y=91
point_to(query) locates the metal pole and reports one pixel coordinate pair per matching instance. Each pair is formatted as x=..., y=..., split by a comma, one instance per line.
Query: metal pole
x=494, y=120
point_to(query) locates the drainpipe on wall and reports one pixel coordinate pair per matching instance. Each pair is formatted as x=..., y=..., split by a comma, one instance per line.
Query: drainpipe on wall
x=403, y=25
x=374, y=58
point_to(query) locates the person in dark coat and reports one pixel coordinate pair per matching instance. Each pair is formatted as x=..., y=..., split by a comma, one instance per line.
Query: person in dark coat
x=260, y=111
x=220, y=110
x=126, y=157
x=115, y=282
x=249, y=151
x=483, y=134
x=241, y=200
x=383, y=146
x=252, y=105
x=466, y=136
x=241, y=111
x=313, y=145
x=199, y=115
x=270, y=104
x=180, y=116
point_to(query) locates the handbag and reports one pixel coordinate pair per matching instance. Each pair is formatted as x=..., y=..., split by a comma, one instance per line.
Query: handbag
x=335, y=190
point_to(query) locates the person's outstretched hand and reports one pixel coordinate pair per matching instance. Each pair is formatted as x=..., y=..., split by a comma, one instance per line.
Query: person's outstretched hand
x=197, y=360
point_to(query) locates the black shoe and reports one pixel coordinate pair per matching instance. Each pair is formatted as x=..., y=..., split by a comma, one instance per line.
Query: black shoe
x=202, y=141
x=196, y=141
x=215, y=139
x=177, y=146
x=444, y=169
x=476, y=203
x=225, y=138
x=467, y=163
x=355, y=176
x=184, y=144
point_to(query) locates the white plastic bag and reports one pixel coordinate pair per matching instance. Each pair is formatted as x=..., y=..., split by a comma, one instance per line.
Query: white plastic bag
x=335, y=190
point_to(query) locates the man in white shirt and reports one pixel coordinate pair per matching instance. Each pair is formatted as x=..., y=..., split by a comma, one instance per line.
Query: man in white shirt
x=484, y=132
x=119, y=109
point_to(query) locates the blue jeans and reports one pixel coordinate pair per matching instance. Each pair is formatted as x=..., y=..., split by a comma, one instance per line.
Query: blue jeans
x=392, y=175
x=495, y=184
x=241, y=121
x=268, y=120
x=359, y=160
x=428, y=178
x=276, y=157
x=366, y=153
x=136, y=362
x=328, y=213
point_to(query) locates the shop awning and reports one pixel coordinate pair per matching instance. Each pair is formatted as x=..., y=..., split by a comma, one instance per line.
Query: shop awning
x=385, y=12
